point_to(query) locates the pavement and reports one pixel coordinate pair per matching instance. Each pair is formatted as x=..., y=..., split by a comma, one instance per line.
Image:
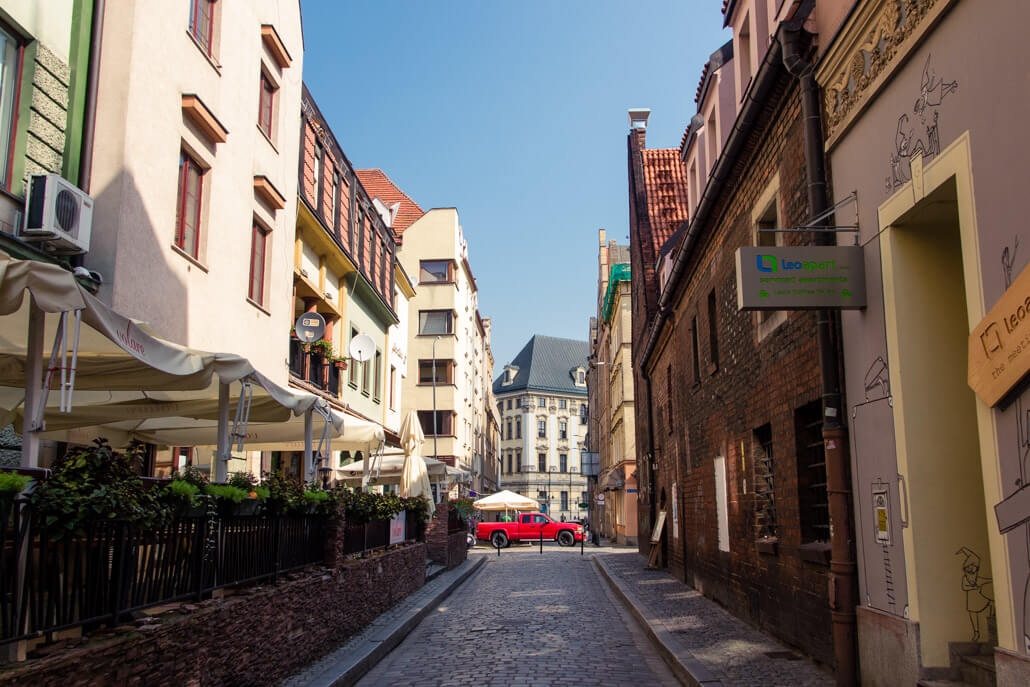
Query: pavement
x=526, y=619
x=704, y=643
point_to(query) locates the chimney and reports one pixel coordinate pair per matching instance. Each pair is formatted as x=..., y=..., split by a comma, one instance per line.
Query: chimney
x=638, y=117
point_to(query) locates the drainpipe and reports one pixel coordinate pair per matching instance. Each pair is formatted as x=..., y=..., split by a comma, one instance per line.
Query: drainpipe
x=843, y=576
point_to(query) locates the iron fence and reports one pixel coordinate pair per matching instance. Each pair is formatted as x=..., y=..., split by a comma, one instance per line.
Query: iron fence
x=375, y=534
x=50, y=583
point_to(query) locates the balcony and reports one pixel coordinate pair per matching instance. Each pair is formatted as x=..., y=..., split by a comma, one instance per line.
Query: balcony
x=313, y=368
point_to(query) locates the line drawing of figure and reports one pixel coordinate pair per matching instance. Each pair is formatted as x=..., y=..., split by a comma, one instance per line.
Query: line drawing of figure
x=877, y=377
x=907, y=143
x=978, y=603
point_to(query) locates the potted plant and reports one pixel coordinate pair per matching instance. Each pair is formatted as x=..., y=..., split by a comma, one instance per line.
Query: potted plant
x=248, y=483
x=11, y=484
x=283, y=493
x=315, y=500
x=340, y=363
x=321, y=348
x=227, y=498
x=184, y=499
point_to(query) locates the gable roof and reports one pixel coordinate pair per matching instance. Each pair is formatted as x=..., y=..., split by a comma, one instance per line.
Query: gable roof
x=665, y=182
x=546, y=363
x=380, y=186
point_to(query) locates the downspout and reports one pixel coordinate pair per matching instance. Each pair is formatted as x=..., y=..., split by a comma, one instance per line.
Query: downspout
x=843, y=575
x=89, y=120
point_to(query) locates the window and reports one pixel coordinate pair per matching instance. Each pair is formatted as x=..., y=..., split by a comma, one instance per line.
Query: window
x=443, y=369
x=581, y=377
x=541, y=402
x=435, y=322
x=509, y=404
x=509, y=430
x=563, y=430
x=766, y=216
x=518, y=460
x=435, y=272
x=694, y=365
x=352, y=368
x=202, y=20
x=443, y=425
x=562, y=404
x=563, y=462
x=565, y=500
x=583, y=412
x=813, y=502
x=668, y=398
x=188, y=205
x=541, y=429
x=510, y=463
x=377, y=387
x=541, y=462
x=743, y=54
x=713, y=330
x=258, y=249
x=518, y=428
x=765, y=493
x=266, y=108
x=366, y=377
x=182, y=456
x=541, y=496
x=317, y=176
x=712, y=137
x=10, y=68
x=393, y=382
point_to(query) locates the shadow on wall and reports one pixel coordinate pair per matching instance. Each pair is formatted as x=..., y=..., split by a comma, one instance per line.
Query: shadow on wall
x=132, y=252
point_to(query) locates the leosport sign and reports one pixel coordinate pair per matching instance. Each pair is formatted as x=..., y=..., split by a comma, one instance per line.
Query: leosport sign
x=999, y=347
x=800, y=277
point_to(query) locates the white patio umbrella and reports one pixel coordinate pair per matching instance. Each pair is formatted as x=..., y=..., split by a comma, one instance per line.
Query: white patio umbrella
x=414, y=476
x=506, y=500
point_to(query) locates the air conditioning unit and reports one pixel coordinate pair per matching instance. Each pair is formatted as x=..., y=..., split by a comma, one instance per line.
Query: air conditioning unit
x=58, y=213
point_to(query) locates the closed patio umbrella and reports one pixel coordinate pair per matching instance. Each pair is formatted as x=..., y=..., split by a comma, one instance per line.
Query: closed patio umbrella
x=414, y=476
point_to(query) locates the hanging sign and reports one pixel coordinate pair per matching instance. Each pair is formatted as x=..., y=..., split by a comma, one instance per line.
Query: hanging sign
x=999, y=347
x=800, y=278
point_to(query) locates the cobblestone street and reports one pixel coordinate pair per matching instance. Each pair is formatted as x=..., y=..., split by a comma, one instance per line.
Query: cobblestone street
x=527, y=619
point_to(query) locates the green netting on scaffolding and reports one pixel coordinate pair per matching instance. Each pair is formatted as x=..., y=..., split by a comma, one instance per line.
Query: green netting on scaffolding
x=619, y=272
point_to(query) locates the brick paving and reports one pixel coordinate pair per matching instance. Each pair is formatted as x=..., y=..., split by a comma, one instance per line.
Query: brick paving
x=733, y=651
x=524, y=620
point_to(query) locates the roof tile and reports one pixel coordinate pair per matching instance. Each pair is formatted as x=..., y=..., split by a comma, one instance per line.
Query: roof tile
x=380, y=186
x=665, y=181
x=546, y=363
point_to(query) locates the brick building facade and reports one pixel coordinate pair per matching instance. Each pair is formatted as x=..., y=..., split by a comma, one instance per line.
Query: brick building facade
x=730, y=400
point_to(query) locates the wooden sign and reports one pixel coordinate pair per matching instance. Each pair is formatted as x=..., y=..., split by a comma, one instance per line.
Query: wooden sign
x=999, y=347
x=656, y=535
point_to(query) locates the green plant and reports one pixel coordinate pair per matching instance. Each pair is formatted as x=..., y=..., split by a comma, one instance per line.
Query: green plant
x=418, y=509
x=323, y=348
x=13, y=483
x=463, y=507
x=93, y=484
x=262, y=492
x=366, y=506
x=243, y=480
x=190, y=474
x=225, y=491
x=182, y=490
x=284, y=493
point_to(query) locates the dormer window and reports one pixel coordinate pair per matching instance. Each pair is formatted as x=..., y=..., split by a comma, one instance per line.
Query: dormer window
x=510, y=372
x=579, y=374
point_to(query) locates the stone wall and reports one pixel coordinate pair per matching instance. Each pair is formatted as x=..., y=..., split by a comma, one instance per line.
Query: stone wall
x=457, y=549
x=436, y=534
x=256, y=637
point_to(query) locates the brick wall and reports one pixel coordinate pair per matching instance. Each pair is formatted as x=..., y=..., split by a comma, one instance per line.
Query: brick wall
x=258, y=637
x=754, y=383
x=436, y=534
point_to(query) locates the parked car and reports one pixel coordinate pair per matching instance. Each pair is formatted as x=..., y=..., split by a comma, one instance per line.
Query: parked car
x=528, y=527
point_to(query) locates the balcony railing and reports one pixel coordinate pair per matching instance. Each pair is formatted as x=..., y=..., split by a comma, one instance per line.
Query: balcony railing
x=314, y=369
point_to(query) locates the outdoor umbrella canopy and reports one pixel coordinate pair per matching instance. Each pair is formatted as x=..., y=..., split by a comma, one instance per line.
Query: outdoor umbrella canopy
x=389, y=468
x=506, y=500
x=124, y=382
x=414, y=476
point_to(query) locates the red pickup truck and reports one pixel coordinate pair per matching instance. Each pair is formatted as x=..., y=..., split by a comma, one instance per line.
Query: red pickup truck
x=528, y=528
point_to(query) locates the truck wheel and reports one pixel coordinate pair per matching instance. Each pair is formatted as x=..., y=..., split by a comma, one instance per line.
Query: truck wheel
x=499, y=540
x=565, y=538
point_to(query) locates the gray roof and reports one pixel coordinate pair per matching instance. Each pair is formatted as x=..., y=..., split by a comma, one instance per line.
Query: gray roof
x=547, y=363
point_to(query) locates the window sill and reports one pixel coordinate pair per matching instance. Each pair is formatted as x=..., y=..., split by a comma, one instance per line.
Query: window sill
x=438, y=283
x=767, y=545
x=258, y=306
x=815, y=552
x=210, y=60
x=268, y=138
x=432, y=336
x=438, y=384
x=189, y=257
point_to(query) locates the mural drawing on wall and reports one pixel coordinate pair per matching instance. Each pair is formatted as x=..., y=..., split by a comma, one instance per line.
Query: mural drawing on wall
x=919, y=134
x=979, y=594
x=1014, y=510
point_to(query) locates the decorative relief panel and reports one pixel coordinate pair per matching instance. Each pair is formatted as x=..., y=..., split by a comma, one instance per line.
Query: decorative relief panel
x=869, y=45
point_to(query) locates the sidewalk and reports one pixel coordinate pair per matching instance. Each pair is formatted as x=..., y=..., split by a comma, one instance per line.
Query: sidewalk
x=359, y=654
x=702, y=642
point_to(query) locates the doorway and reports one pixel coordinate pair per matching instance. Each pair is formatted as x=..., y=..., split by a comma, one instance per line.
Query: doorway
x=947, y=550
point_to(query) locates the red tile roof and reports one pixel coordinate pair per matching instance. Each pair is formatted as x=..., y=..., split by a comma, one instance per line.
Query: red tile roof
x=665, y=180
x=378, y=185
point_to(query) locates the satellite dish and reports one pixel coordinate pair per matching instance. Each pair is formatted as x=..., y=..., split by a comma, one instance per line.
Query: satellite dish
x=362, y=347
x=310, y=327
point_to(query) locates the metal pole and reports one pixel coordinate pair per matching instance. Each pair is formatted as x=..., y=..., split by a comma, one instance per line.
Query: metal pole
x=222, y=453
x=541, y=538
x=308, y=438
x=435, y=428
x=33, y=386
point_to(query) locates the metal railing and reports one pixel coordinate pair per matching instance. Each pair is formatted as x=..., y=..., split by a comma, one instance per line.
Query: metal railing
x=52, y=581
x=372, y=535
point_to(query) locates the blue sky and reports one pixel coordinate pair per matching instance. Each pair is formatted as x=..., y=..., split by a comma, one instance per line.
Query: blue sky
x=515, y=113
